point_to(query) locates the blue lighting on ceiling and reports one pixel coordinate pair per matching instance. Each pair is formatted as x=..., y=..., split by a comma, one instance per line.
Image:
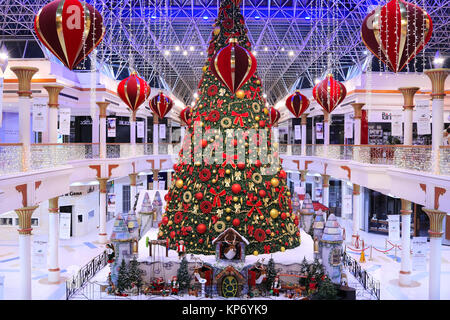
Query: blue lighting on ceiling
x=205, y=17
x=257, y=17
x=153, y=17
x=307, y=18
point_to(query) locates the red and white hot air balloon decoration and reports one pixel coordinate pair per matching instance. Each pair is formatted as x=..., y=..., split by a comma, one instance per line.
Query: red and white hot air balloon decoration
x=70, y=29
x=161, y=105
x=329, y=93
x=297, y=104
x=133, y=91
x=274, y=116
x=185, y=116
x=233, y=65
x=396, y=32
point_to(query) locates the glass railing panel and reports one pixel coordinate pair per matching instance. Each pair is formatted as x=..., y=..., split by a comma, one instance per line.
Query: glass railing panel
x=10, y=158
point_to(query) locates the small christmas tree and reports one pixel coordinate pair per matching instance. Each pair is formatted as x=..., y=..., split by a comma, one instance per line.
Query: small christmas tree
x=135, y=274
x=271, y=273
x=183, y=275
x=326, y=290
x=304, y=270
x=122, y=279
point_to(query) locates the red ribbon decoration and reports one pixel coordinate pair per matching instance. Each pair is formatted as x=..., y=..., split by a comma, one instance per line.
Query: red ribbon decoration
x=229, y=158
x=199, y=116
x=256, y=91
x=250, y=229
x=232, y=35
x=254, y=205
x=266, y=249
x=186, y=207
x=217, y=197
x=228, y=199
x=280, y=196
x=224, y=10
x=219, y=103
x=238, y=117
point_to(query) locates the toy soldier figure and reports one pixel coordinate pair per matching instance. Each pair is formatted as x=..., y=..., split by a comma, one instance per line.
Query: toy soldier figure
x=276, y=286
x=110, y=252
x=174, y=285
x=181, y=249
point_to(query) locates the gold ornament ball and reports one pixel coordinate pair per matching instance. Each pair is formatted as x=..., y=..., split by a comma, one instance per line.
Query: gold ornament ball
x=197, y=164
x=228, y=218
x=274, y=182
x=170, y=222
x=255, y=253
x=288, y=193
x=179, y=183
x=240, y=94
x=266, y=111
x=261, y=217
x=246, y=144
x=160, y=233
x=216, y=31
x=288, y=214
x=213, y=180
x=214, y=171
x=283, y=249
x=205, y=68
x=190, y=243
x=211, y=140
x=257, y=118
x=227, y=210
x=235, y=199
x=228, y=171
x=258, y=82
x=274, y=213
x=272, y=234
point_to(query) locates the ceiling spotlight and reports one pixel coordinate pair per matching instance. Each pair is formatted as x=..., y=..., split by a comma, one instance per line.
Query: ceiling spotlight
x=153, y=17
x=254, y=52
x=257, y=17
x=366, y=52
x=184, y=53
x=282, y=49
x=438, y=62
x=308, y=18
x=166, y=52
x=205, y=17
x=264, y=95
x=316, y=81
x=196, y=95
x=191, y=48
x=265, y=48
x=3, y=56
x=291, y=53
x=201, y=53
x=177, y=48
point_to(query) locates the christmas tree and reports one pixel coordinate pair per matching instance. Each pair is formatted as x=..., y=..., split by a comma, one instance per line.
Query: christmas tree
x=123, y=282
x=216, y=186
x=135, y=274
x=271, y=273
x=183, y=275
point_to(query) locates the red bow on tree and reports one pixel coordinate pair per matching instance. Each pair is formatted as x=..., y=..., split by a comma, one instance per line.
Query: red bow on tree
x=228, y=199
x=199, y=116
x=280, y=196
x=254, y=205
x=238, y=117
x=217, y=197
x=186, y=207
x=219, y=103
x=255, y=91
x=250, y=229
x=224, y=10
x=229, y=159
x=266, y=249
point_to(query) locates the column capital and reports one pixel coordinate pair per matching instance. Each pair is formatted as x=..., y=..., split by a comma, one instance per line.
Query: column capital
x=437, y=77
x=24, y=215
x=326, y=116
x=436, y=217
x=102, y=106
x=133, y=116
x=133, y=179
x=53, y=206
x=304, y=119
x=406, y=207
x=155, y=119
x=356, y=189
x=53, y=94
x=408, y=96
x=357, y=107
x=325, y=180
x=24, y=75
x=303, y=174
x=102, y=182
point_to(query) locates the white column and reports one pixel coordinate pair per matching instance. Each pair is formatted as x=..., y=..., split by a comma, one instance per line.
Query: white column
x=53, y=240
x=437, y=77
x=24, y=215
x=53, y=104
x=304, y=123
x=102, y=235
x=103, y=105
x=95, y=130
x=155, y=179
x=406, y=266
x=133, y=134
x=325, y=189
x=133, y=187
x=155, y=134
x=435, y=232
x=326, y=132
x=357, y=107
x=303, y=180
x=408, y=106
x=356, y=208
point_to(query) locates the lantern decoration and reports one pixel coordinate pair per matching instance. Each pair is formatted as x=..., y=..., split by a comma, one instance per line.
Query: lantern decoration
x=274, y=116
x=396, y=32
x=185, y=115
x=297, y=104
x=133, y=91
x=233, y=65
x=70, y=29
x=161, y=105
x=329, y=93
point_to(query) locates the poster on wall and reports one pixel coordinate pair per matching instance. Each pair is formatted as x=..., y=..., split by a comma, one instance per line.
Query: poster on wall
x=140, y=129
x=65, y=221
x=394, y=227
x=162, y=131
x=347, y=204
x=1, y=101
x=64, y=121
x=348, y=126
x=111, y=197
x=297, y=132
x=423, y=117
x=162, y=185
x=396, y=125
x=319, y=130
x=111, y=127
x=39, y=115
x=39, y=259
x=419, y=257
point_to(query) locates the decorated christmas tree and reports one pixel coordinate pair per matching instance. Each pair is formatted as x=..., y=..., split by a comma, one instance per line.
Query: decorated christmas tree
x=229, y=175
x=183, y=275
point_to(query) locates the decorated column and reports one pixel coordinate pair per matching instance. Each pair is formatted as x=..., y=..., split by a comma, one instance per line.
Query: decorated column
x=102, y=121
x=53, y=237
x=406, y=267
x=303, y=174
x=304, y=123
x=408, y=106
x=155, y=179
x=437, y=77
x=24, y=75
x=133, y=188
x=53, y=105
x=357, y=108
x=356, y=207
x=325, y=189
x=435, y=232
x=102, y=236
x=155, y=134
x=24, y=215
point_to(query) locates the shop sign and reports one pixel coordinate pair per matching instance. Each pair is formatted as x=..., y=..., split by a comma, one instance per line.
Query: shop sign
x=39, y=115
x=111, y=126
x=397, y=124
x=297, y=132
x=64, y=121
x=39, y=254
x=140, y=129
x=423, y=117
x=65, y=221
x=394, y=227
x=319, y=130
x=348, y=126
x=419, y=257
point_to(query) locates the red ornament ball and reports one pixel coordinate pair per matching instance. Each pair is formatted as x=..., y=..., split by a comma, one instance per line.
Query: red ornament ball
x=258, y=163
x=236, y=222
x=200, y=240
x=262, y=123
x=172, y=234
x=165, y=220
x=236, y=188
x=282, y=174
x=201, y=228
x=241, y=166
x=199, y=196
x=283, y=215
x=204, y=143
x=262, y=193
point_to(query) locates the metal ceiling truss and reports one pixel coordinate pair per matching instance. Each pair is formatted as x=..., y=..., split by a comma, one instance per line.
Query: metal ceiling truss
x=296, y=41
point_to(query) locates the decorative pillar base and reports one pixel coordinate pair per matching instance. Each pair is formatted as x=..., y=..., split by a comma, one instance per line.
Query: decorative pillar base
x=54, y=276
x=103, y=238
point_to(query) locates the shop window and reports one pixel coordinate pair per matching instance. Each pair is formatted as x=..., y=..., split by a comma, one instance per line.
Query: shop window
x=34, y=222
x=336, y=255
x=6, y=221
x=80, y=218
x=126, y=194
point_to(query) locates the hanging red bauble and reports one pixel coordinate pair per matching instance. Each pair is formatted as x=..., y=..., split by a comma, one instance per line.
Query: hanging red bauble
x=236, y=188
x=329, y=93
x=297, y=104
x=185, y=116
x=396, y=32
x=262, y=193
x=236, y=222
x=274, y=116
x=201, y=228
x=199, y=196
x=241, y=165
x=161, y=105
x=67, y=29
x=133, y=91
x=233, y=65
x=165, y=220
x=282, y=174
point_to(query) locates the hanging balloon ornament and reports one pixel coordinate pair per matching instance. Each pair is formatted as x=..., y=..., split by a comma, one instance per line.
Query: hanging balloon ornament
x=133, y=91
x=274, y=116
x=329, y=93
x=66, y=28
x=396, y=32
x=161, y=105
x=185, y=116
x=297, y=104
x=233, y=65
